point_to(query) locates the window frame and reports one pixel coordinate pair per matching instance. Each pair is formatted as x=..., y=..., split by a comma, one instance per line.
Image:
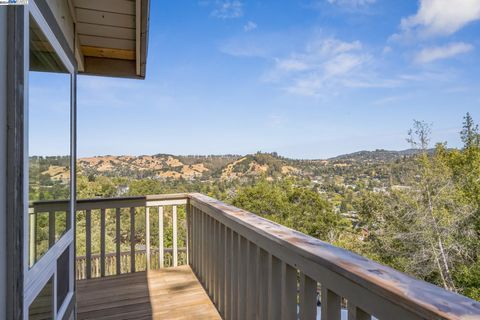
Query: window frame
x=36, y=276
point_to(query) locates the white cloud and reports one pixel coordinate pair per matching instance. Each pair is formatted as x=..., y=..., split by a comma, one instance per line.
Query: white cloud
x=431, y=54
x=291, y=64
x=325, y=63
x=250, y=26
x=227, y=9
x=352, y=3
x=387, y=50
x=439, y=18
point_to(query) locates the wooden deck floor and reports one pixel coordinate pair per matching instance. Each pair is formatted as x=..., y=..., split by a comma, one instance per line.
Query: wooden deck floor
x=172, y=293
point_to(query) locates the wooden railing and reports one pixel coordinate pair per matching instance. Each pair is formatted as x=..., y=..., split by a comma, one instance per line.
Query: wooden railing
x=139, y=257
x=253, y=268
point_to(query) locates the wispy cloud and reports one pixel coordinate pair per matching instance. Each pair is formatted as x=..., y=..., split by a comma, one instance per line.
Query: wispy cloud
x=326, y=65
x=439, y=18
x=432, y=54
x=389, y=100
x=227, y=9
x=250, y=26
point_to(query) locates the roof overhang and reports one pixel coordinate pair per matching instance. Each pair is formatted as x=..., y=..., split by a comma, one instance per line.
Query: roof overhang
x=111, y=37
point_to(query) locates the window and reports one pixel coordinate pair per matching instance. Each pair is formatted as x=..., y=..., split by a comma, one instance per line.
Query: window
x=48, y=144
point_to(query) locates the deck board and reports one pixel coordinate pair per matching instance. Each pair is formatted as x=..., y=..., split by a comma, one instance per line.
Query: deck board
x=172, y=293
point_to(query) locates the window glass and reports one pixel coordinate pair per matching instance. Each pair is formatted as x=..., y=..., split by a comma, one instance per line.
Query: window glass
x=42, y=307
x=63, y=283
x=48, y=144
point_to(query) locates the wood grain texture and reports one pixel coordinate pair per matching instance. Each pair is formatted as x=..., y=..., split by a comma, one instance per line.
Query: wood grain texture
x=171, y=293
x=89, y=51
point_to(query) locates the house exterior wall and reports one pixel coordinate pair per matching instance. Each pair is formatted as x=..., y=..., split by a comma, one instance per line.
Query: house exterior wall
x=3, y=152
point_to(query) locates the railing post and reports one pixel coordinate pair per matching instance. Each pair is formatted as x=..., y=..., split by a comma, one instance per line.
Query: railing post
x=160, y=239
x=118, y=242
x=102, y=242
x=88, y=243
x=175, y=236
x=147, y=237
x=308, y=297
x=132, y=239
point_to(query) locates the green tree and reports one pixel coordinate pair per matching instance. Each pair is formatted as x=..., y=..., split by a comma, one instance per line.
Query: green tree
x=469, y=133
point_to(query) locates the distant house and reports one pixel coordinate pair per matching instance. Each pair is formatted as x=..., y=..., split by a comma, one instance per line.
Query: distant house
x=122, y=190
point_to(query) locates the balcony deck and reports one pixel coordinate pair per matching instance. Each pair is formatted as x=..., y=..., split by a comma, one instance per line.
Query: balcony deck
x=251, y=268
x=170, y=293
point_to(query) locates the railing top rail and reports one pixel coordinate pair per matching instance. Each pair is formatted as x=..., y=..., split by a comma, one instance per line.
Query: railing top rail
x=420, y=297
x=116, y=202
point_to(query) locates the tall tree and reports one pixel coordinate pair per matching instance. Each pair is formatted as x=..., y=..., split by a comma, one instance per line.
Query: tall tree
x=419, y=135
x=470, y=132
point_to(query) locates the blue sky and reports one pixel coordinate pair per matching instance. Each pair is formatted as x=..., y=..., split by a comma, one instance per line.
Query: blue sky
x=305, y=78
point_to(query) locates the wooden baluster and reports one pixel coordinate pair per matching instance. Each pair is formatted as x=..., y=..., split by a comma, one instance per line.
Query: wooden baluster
x=188, y=217
x=234, y=276
x=355, y=313
x=242, y=275
x=252, y=281
x=201, y=255
x=228, y=270
x=221, y=271
x=204, y=248
x=331, y=305
x=117, y=236
x=175, y=236
x=102, y=242
x=215, y=279
x=275, y=290
x=308, y=298
x=88, y=243
x=195, y=241
x=51, y=228
x=289, y=296
x=209, y=255
x=161, y=251
x=263, y=276
x=147, y=237
x=193, y=245
x=132, y=239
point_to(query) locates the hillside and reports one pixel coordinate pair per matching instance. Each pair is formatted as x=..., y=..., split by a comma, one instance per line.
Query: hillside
x=230, y=167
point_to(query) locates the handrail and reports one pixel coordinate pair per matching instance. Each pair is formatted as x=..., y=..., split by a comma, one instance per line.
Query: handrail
x=372, y=288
